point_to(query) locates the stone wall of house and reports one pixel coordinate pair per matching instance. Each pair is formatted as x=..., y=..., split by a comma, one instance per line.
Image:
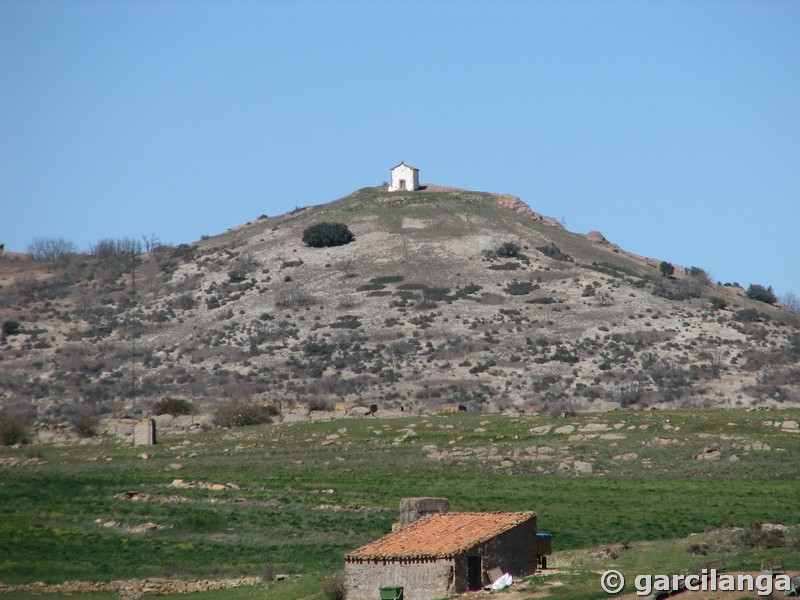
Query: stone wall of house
x=513, y=551
x=429, y=580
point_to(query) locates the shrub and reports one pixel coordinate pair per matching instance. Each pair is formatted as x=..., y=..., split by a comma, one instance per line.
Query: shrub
x=173, y=406
x=747, y=315
x=12, y=431
x=10, y=328
x=554, y=252
x=756, y=537
x=85, y=424
x=519, y=288
x=323, y=235
x=237, y=275
x=718, y=303
x=761, y=293
x=333, y=587
x=240, y=413
x=507, y=250
x=185, y=302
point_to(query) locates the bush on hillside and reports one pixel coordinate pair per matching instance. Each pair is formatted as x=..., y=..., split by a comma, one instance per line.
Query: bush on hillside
x=50, y=248
x=12, y=431
x=10, y=328
x=554, y=252
x=333, y=588
x=507, y=250
x=324, y=235
x=667, y=269
x=240, y=413
x=173, y=406
x=761, y=293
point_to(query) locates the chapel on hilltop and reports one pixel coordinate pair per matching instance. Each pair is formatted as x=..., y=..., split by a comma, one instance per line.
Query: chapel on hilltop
x=404, y=178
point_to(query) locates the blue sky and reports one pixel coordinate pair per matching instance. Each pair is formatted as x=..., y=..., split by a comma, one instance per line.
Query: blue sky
x=672, y=127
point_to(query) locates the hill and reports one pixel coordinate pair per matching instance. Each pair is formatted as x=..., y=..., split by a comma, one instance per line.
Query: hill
x=445, y=296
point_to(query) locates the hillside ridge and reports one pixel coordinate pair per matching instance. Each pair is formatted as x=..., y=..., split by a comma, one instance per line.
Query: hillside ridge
x=445, y=296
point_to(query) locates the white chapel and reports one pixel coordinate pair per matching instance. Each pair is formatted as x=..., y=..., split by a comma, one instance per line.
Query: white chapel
x=404, y=177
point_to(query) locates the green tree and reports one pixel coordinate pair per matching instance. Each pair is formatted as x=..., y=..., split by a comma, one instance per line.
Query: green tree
x=323, y=235
x=761, y=293
x=666, y=268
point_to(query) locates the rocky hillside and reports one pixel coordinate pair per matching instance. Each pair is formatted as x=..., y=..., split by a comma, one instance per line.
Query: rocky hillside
x=445, y=296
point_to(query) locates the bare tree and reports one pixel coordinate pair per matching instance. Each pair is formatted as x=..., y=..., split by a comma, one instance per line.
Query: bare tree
x=791, y=301
x=50, y=248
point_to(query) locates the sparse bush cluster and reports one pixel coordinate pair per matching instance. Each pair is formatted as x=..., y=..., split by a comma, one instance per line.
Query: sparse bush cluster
x=13, y=431
x=10, y=327
x=240, y=413
x=761, y=293
x=333, y=588
x=123, y=246
x=325, y=234
x=554, y=252
x=50, y=248
x=173, y=406
x=755, y=536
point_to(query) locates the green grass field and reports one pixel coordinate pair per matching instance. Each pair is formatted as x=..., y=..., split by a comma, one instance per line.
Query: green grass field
x=308, y=493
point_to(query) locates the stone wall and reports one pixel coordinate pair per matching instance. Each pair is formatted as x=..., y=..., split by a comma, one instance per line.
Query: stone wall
x=513, y=551
x=429, y=580
x=414, y=509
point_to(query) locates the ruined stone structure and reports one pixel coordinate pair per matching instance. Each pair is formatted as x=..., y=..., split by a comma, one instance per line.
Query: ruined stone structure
x=443, y=554
x=144, y=432
x=414, y=509
x=404, y=178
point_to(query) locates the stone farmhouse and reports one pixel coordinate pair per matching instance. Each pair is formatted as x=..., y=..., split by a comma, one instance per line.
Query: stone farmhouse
x=443, y=554
x=404, y=178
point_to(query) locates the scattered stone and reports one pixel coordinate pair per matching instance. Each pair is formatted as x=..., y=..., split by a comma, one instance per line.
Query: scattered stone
x=710, y=453
x=565, y=429
x=591, y=427
x=734, y=458
x=627, y=456
x=791, y=426
x=541, y=430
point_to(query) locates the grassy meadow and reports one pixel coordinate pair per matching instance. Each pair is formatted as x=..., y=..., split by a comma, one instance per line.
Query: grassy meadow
x=297, y=496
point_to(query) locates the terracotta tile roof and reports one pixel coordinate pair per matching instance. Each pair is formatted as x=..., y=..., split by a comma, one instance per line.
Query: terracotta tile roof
x=440, y=536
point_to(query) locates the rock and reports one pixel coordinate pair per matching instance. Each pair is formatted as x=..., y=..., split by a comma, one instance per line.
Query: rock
x=710, y=453
x=790, y=426
x=627, y=456
x=541, y=430
x=733, y=458
x=581, y=466
x=565, y=429
x=590, y=427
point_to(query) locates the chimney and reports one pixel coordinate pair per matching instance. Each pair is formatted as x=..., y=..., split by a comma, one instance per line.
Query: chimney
x=414, y=509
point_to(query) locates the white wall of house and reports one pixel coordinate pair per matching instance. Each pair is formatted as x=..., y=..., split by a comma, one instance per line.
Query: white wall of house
x=404, y=178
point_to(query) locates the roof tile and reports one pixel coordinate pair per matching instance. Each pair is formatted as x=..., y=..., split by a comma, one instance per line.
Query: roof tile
x=440, y=536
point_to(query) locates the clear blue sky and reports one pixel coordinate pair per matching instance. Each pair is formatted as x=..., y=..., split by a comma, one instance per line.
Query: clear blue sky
x=672, y=127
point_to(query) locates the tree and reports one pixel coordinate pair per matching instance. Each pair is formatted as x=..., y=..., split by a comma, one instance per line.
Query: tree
x=50, y=248
x=323, y=235
x=791, y=301
x=666, y=268
x=761, y=293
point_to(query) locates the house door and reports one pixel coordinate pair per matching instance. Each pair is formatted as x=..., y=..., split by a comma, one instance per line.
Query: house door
x=402, y=184
x=474, y=578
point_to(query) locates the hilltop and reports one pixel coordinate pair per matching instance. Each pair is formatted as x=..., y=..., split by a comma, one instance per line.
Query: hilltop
x=445, y=296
